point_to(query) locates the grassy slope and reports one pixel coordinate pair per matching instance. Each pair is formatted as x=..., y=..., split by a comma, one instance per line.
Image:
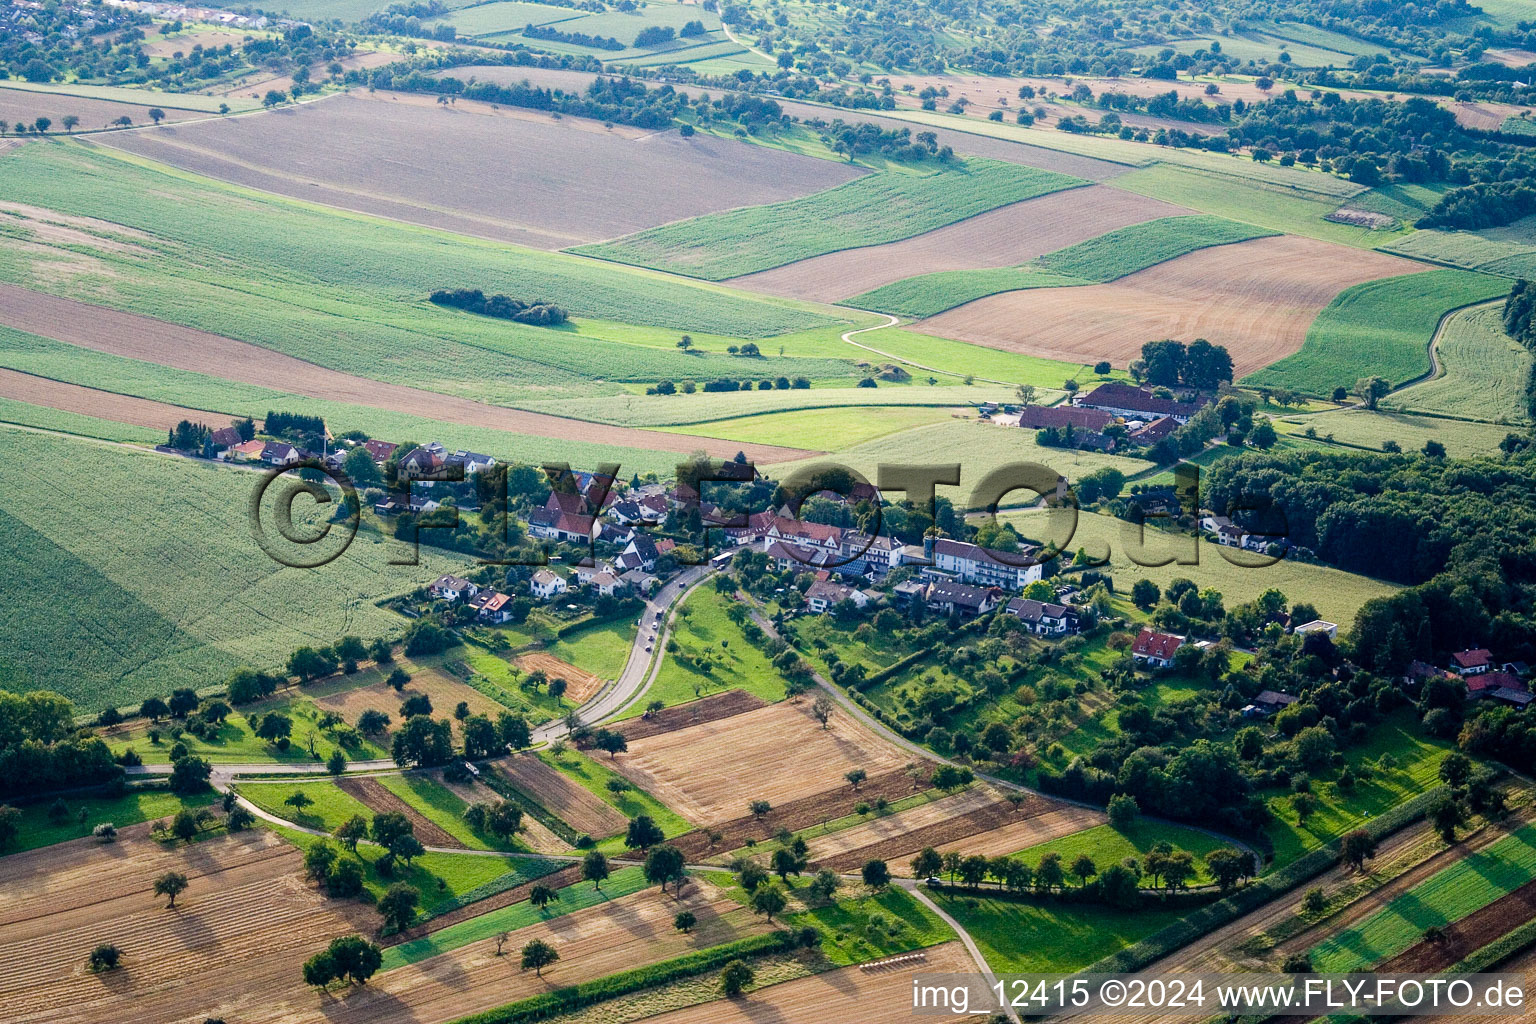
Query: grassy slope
x=35, y=828
x=151, y=601
x=870, y=210
x=1449, y=895
x=1109, y=256
x=1108, y=845
x=1362, y=428
x=1380, y=327
x=1485, y=372
x=592, y=775
x=1337, y=595
x=821, y=429
x=27, y=415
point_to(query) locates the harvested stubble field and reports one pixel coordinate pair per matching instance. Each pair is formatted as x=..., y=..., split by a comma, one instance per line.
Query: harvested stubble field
x=940, y=827
x=711, y=772
x=380, y=800
x=231, y=947
x=800, y=814
x=1026, y=833
x=1483, y=375
x=139, y=412
x=695, y=712
x=582, y=809
x=599, y=941
x=1007, y=236
x=167, y=344
x=581, y=685
x=444, y=691
x=1363, y=428
x=871, y=210
x=20, y=105
x=1257, y=298
x=541, y=183
x=870, y=996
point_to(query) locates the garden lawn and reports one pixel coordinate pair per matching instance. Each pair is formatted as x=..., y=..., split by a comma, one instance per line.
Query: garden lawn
x=519, y=915
x=140, y=804
x=1046, y=936
x=1449, y=895
x=1380, y=328
x=701, y=625
x=1108, y=845
x=876, y=208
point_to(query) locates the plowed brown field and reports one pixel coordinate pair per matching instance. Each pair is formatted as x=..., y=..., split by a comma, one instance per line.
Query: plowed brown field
x=711, y=772
x=877, y=996
x=1024, y=833
x=695, y=712
x=581, y=809
x=545, y=184
x=157, y=341
x=141, y=412
x=1257, y=298
x=443, y=690
x=982, y=813
x=1005, y=237
x=581, y=685
x=25, y=105
x=381, y=800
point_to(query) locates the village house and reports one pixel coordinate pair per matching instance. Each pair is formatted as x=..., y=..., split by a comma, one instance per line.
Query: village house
x=793, y=556
x=1153, y=432
x=824, y=595
x=1154, y=649
x=451, y=588
x=1473, y=662
x=246, y=451
x=422, y=461
x=1043, y=617
x=1329, y=629
x=224, y=438
x=640, y=581
x=491, y=606
x=277, y=453
x=469, y=463
x=869, y=556
x=1267, y=703
x=546, y=585
x=971, y=563
x=801, y=534
x=951, y=598
x=552, y=524
x=642, y=552
x=379, y=451
x=757, y=527
x=1059, y=417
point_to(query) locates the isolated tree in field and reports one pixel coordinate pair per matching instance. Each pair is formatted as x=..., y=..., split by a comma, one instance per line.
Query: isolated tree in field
x=822, y=708
x=610, y=742
x=106, y=832
x=1122, y=810
x=759, y=808
x=319, y=970
x=189, y=775
x=154, y=709
x=1226, y=866
x=735, y=977
x=855, y=777
x=514, y=730
x=345, y=879
x=785, y=863
x=1084, y=868
x=542, y=895
x=185, y=825
x=1455, y=770
x=538, y=955
x=398, y=905
x=298, y=800
x=643, y=833
x=1447, y=816
x=121, y=122
x=973, y=869
x=503, y=818
x=238, y=819
x=1358, y=847
x=336, y=764
x=10, y=825
x=768, y=900
x=1263, y=436
x=876, y=874
x=665, y=864
x=684, y=921
x=1371, y=390
x=42, y=125
x=501, y=940
x=318, y=861
x=749, y=873
x=1315, y=901
x=171, y=884
x=398, y=678
x=594, y=868
x=352, y=830
x=70, y=121
x=273, y=98
x=355, y=958
x=104, y=957
x=686, y=343
x=927, y=863
x=1049, y=874
x=156, y=114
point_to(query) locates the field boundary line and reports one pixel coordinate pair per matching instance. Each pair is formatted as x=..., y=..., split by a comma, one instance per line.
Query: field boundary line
x=892, y=321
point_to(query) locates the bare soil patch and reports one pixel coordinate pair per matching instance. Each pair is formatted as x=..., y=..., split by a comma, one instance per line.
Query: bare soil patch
x=541, y=183
x=1471, y=933
x=900, y=823
x=1483, y=116
x=157, y=341
x=380, y=800
x=26, y=105
x=1258, y=298
x=711, y=772
x=1005, y=237
x=1024, y=833
x=232, y=945
x=695, y=712
x=581, y=809
x=443, y=690
x=867, y=995
x=140, y=412
x=581, y=685
x=800, y=814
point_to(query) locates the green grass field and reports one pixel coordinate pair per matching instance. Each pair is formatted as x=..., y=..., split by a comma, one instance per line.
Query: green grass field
x=1473, y=250
x=592, y=775
x=509, y=16
x=822, y=429
x=25, y=414
x=602, y=648
x=982, y=446
x=157, y=556
x=870, y=926
x=1022, y=937
x=1365, y=429
x=1108, y=845
x=126, y=94
x=1337, y=595
x=876, y=208
x=1380, y=327
x=1105, y=258
x=1484, y=372
x=572, y=898
x=1449, y=895
x=328, y=806
x=35, y=829
x=235, y=743
x=702, y=626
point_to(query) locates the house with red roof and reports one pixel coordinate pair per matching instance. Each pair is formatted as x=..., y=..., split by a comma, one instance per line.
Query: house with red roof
x=1154, y=649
